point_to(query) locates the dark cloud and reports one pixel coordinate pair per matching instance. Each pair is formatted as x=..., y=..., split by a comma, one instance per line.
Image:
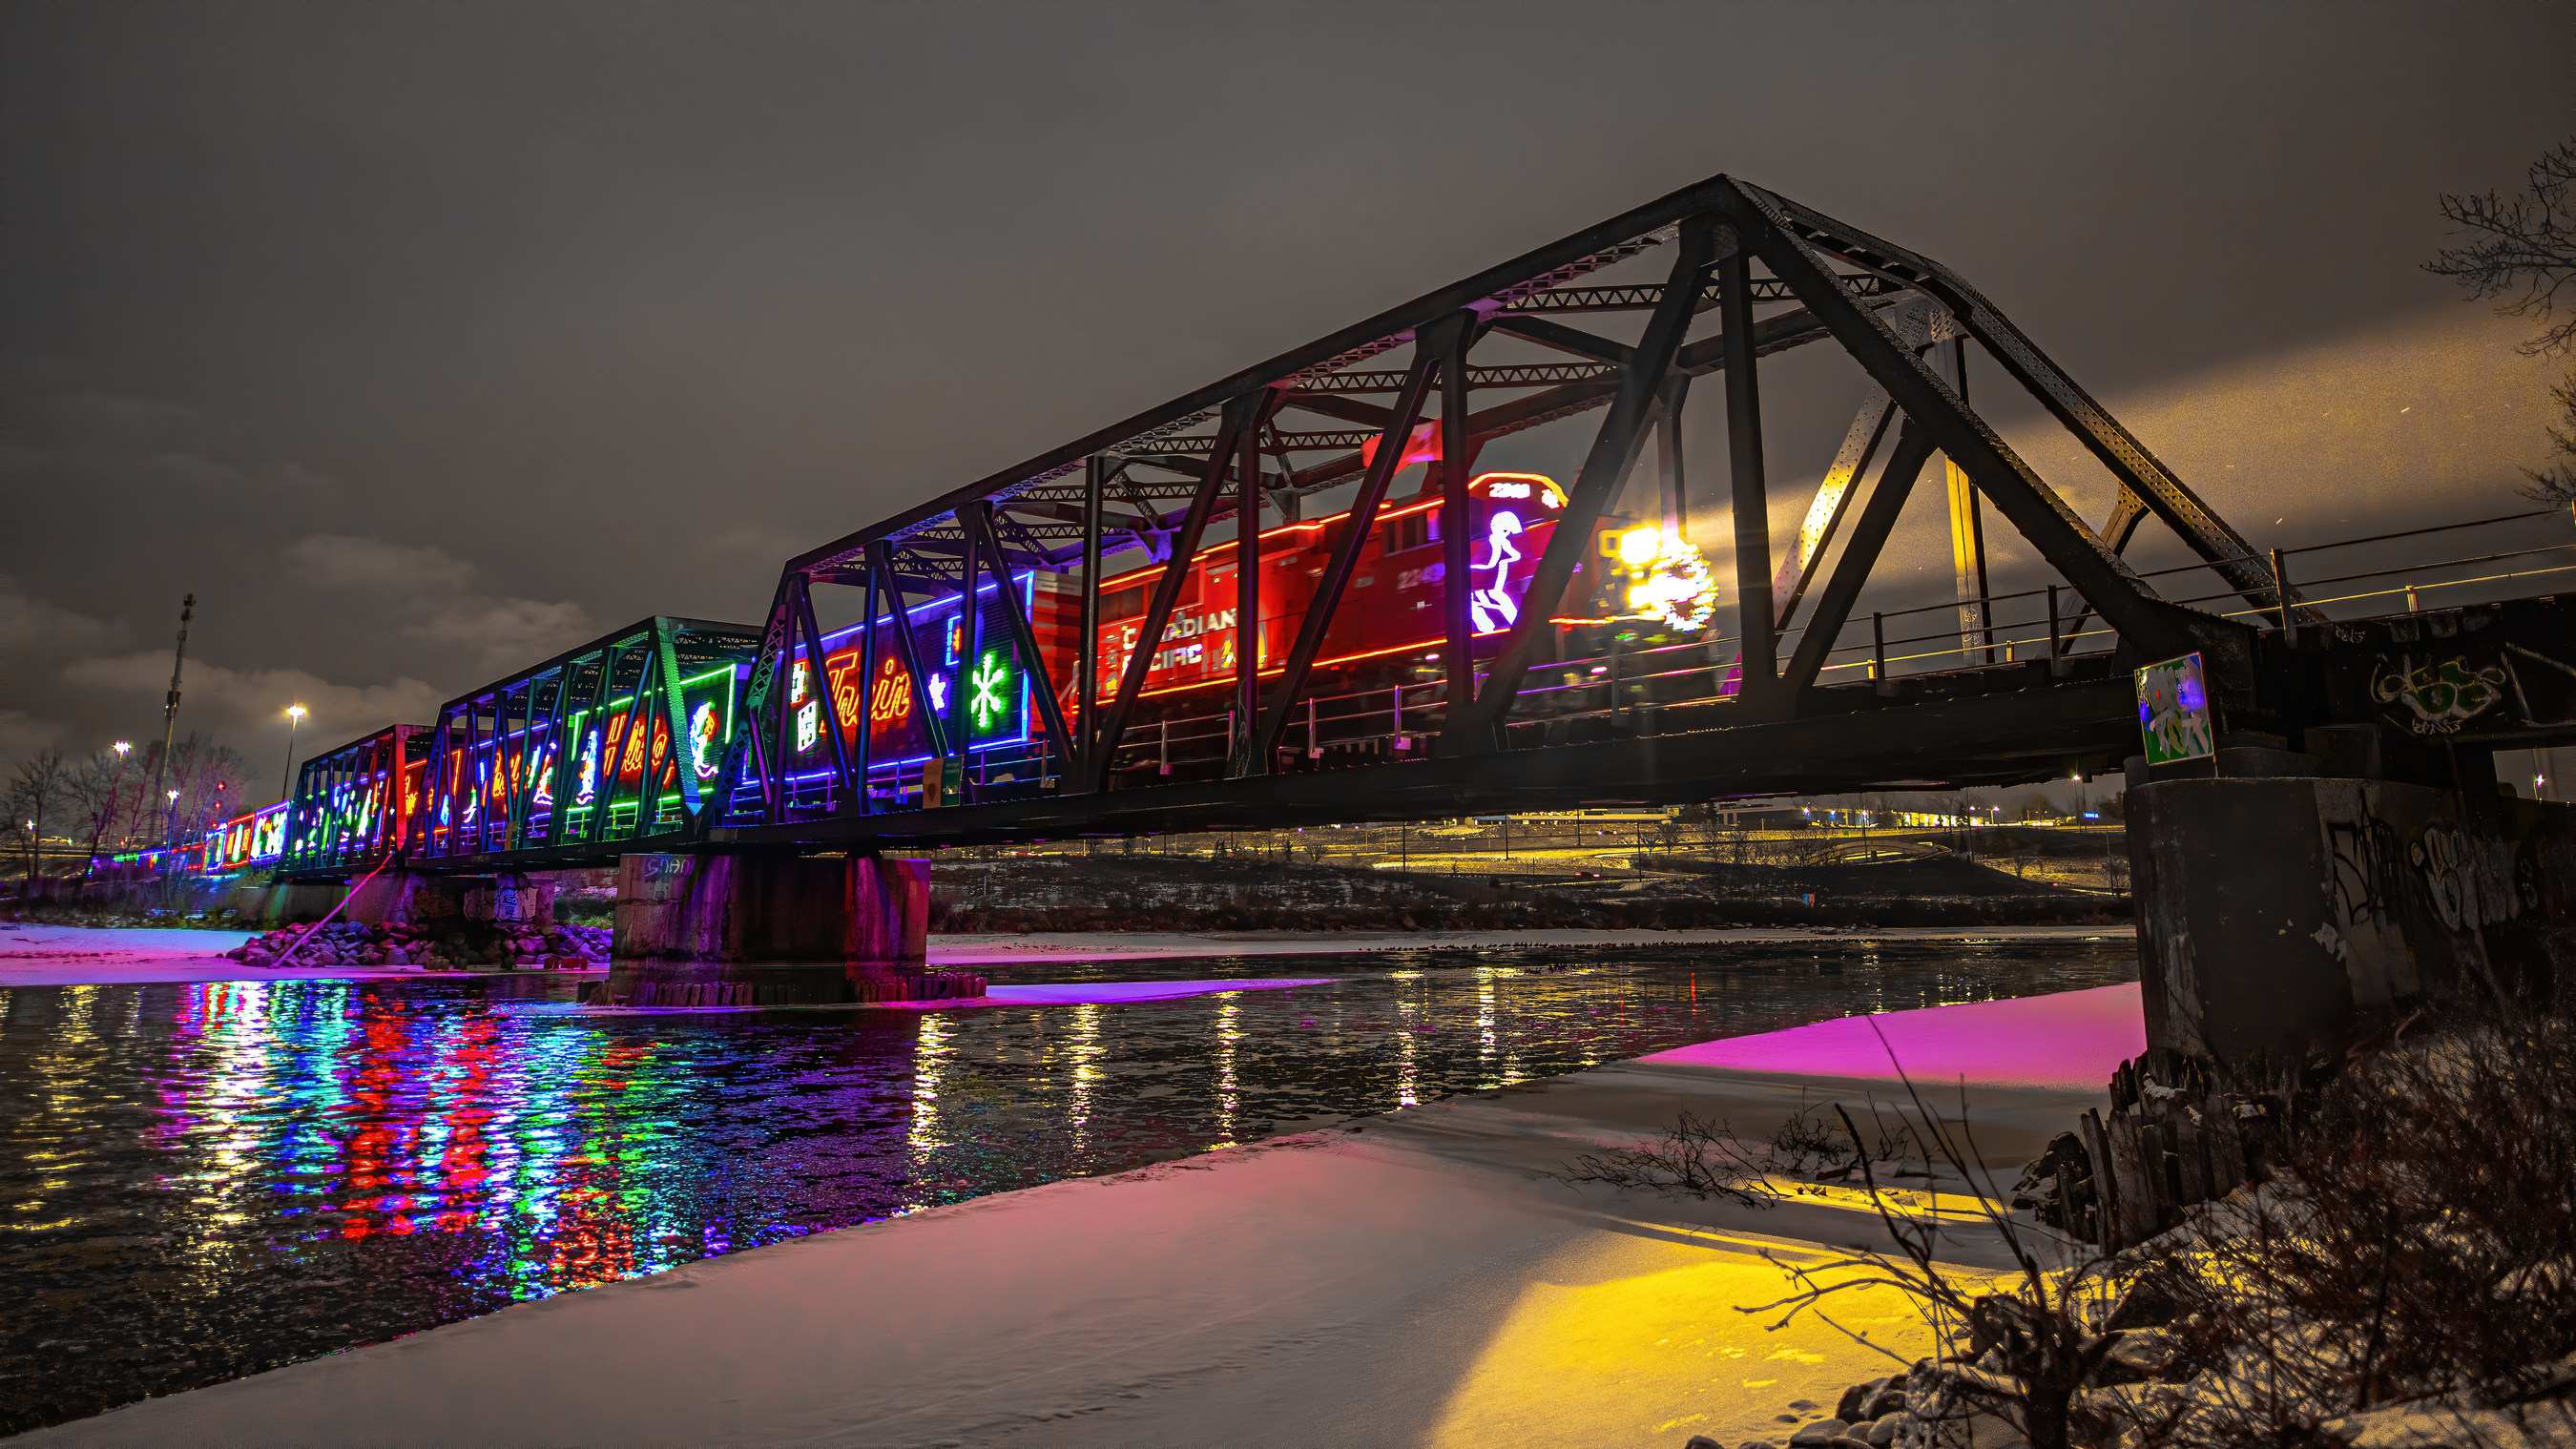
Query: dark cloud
x=415, y=338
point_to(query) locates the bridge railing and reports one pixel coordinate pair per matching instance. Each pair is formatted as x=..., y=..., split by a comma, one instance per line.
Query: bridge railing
x=2359, y=587
x=1397, y=722
x=1649, y=687
x=2391, y=574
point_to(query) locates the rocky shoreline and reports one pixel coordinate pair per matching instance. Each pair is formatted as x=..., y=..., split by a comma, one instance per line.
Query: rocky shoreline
x=2326, y=1253
x=524, y=945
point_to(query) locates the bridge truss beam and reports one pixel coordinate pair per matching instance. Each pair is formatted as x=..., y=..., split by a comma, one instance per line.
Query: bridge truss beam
x=1777, y=276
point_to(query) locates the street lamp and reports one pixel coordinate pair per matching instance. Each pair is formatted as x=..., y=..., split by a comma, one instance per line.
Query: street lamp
x=294, y=717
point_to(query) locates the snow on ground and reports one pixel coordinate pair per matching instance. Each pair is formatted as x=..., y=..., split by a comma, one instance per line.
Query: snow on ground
x=2058, y=1041
x=17, y=939
x=43, y=955
x=1404, y=1280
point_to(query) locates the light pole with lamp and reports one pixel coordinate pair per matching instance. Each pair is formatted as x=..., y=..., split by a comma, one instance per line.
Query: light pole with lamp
x=294, y=717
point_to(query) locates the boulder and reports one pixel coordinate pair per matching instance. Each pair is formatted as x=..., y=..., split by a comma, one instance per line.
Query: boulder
x=1851, y=1409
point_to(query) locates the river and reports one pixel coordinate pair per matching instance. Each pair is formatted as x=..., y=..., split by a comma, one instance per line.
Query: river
x=207, y=1181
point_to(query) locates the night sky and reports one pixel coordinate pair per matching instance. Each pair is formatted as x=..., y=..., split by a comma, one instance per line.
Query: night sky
x=420, y=341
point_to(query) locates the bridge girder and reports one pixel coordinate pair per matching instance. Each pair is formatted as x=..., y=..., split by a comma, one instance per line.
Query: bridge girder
x=1818, y=281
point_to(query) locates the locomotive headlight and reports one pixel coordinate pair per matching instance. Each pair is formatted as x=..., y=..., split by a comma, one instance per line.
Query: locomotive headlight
x=1672, y=581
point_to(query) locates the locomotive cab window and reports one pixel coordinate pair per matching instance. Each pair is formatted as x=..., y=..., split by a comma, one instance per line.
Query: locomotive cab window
x=1411, y=531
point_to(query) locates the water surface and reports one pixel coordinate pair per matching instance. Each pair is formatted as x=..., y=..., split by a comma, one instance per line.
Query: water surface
x=200, y=1182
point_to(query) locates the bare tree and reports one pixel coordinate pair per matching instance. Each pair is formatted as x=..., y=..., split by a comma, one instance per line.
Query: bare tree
x=2523, y=248
x=2557, y=482
x=39, y=794
x=107, y=794
x=202, y=788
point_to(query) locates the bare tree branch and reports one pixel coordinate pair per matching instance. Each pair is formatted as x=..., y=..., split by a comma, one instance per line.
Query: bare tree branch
x=2524, y=244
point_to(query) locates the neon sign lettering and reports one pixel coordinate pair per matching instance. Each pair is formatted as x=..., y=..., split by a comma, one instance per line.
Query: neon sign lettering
x=1492, y=608
x=702, y=742
x=890, y=701
x=1537, y=488
x=844, y=669
x=991, y=700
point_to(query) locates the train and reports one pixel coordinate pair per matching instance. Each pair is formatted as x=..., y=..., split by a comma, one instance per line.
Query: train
x=1391, y=611
x=614, y=740
x=1386, y=635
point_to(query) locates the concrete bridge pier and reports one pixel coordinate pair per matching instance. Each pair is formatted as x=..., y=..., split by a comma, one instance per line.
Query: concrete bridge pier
x=2295, y=915
x=391, y=897
x=766, y=928
x=439, y=903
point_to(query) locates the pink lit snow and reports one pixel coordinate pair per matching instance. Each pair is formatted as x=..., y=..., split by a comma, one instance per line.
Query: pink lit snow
x=2072, y=1040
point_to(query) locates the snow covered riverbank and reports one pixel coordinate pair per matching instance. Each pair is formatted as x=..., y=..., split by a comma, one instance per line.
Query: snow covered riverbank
x=1408, y=1279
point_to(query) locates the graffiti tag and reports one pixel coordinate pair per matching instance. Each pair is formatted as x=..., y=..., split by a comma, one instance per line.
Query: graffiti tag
x=2468, y=886
x=2367, y=882
x=2442, y=696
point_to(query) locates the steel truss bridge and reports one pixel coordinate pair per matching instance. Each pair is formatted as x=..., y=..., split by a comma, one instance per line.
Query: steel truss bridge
x=1793, y=689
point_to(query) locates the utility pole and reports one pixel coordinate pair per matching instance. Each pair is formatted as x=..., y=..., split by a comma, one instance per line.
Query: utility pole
x=170, y=716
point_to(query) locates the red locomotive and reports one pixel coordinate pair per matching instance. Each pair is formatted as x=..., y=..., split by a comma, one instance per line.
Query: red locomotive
x=1390, y=618
x=1387, y=634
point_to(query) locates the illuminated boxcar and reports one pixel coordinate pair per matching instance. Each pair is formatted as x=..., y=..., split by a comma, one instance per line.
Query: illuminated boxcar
x=617, y=740
x=986, y=707
x=247, y=842
x=356, y=804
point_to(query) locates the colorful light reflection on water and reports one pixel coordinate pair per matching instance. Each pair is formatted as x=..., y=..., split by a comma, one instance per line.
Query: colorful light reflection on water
x=205, y=1181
